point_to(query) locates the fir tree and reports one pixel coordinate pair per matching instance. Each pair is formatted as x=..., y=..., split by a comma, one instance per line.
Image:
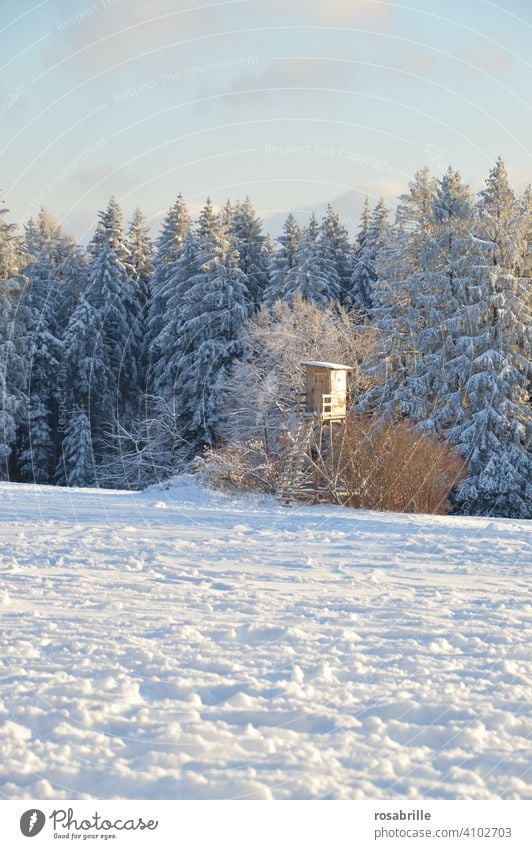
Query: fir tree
x=400, y=310
x=314, y=276
x=246, y=230
x=209, y=333
x=170, y=342
x=112, y=294
x=42, y=297
x=282, y=260
x=208, y=228
x=336, y=248
x=11, y=249
x=169, y=246
x=14, y=319
x=76, y=466
x=372, y=239
x=495, y=346
x=13, y=372
x=141, y=255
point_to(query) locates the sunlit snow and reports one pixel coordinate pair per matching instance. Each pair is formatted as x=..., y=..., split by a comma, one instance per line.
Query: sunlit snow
x=184, y=644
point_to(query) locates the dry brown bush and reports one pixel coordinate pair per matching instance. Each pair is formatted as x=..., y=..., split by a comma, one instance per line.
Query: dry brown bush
x=375, y=464
x=387, y=464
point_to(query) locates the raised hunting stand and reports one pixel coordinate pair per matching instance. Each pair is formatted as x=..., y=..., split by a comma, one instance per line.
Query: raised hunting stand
x=322, y=405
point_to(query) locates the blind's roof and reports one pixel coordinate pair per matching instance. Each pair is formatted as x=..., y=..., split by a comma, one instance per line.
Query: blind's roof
x=335, y=366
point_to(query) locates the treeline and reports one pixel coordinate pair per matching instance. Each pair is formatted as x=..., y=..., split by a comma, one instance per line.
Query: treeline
x=115, y=360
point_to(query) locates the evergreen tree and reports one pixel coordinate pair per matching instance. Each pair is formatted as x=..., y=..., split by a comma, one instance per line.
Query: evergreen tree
x=417, y=309
x=249, y=241
x=335, y=246
x=42, y=298
x=11, y=248
x=495, y=346
x=13, y=343
x=365, y=218
x=170, y=343
x=400, y=310
x=372, y=238
x=209, y=332
x=525, y=209
x=169, y=246
x=13, y=372
x=85, y=390
x=76, y=466
x=141, y=255
x=447, y=255
x=208, y=227
x=84, y=366
x=227, y=215
x=73, y=277
x=314, y=276
x=112, y=294
x=283, y=259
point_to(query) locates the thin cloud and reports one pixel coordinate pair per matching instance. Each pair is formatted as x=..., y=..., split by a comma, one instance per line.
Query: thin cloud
x=487, y=57
x=338, y=12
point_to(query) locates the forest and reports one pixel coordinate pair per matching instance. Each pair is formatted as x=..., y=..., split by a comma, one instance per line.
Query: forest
x=124, y=361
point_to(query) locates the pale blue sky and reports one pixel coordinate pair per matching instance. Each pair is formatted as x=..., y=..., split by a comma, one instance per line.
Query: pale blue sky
x=292, y=101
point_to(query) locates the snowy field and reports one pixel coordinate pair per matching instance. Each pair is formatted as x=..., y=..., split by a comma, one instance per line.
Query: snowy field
x=184, y=644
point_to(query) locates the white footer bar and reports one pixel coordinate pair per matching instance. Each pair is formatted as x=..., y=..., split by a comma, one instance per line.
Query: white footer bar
x=266, y=825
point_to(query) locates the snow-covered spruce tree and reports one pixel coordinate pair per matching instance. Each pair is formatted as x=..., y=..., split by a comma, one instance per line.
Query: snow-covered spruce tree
x=169, y=245
x=227, y=214
x=525, y=254
x=209, y=333
x=152, y=446
x=335, y=246
x=283, y=259
x=418, y=312
x=13, y=343
x=372, y=238
x=494, y=435
x=399, y=311
x=12, y=255
x=42, y=298
x=76, y=465
x=72, y=273
x=112, y=293
x=13, y=372
x=169, y=343
x=314, y=274
x=85, y=383
x=447, y=255
x=141, y=255
x=248, y=239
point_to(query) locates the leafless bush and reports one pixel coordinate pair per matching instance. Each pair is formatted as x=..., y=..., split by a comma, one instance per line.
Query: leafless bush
x=373, y=464
x=144, y=451
x=245, y=467
x=386, y=464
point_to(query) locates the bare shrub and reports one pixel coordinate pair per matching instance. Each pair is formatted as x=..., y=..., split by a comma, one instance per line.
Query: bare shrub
x=373, y=464
x=245, y=467
x=387, y=464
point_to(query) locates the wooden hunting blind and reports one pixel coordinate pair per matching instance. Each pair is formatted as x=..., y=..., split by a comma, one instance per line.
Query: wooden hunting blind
x=319, y=409
x=326, y=390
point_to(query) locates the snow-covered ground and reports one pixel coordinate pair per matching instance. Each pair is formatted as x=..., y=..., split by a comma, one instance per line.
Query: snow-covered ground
x=184, y=644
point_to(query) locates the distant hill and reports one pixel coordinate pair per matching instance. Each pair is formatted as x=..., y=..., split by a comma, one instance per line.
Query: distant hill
x=348, y=204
